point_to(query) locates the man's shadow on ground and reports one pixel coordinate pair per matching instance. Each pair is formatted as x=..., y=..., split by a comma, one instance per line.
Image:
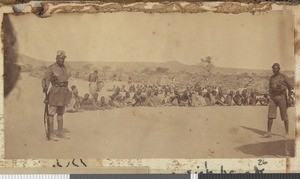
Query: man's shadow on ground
x=279, y=148
x=259, y=132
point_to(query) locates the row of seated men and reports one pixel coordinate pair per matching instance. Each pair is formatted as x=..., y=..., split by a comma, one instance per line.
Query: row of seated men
x=192, y=97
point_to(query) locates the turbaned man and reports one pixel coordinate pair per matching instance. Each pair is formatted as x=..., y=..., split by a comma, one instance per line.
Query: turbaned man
x=59, y=94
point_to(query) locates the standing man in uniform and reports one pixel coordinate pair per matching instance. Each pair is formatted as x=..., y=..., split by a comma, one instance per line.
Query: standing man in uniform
x=278, y=86
x=58, y=95
x=93, y=83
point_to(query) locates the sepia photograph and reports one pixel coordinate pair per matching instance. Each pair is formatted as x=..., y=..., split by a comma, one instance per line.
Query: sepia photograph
x=132, y=85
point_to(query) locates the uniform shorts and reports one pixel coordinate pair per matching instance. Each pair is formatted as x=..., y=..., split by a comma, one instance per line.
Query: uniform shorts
x=278, y=101
x=56, y=109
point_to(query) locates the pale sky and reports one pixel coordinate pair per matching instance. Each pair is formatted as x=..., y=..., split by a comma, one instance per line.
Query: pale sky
x=241, y=41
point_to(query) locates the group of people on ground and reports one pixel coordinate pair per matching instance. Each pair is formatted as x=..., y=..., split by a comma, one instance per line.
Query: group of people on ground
x=164, y=95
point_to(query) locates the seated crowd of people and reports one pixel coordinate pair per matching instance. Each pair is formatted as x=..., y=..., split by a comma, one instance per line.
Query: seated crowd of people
x=165, y=95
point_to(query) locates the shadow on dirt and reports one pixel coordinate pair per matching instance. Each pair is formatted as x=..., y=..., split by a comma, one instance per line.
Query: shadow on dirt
x=258, y=131
x=280, y=148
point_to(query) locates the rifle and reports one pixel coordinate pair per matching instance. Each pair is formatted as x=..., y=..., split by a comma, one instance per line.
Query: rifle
x=46, y=116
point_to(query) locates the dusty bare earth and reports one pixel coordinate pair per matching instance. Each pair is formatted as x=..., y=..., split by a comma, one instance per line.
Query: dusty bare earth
x=141, y=132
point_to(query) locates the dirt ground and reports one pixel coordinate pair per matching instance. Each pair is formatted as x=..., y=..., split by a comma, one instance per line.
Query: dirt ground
x=141, y=132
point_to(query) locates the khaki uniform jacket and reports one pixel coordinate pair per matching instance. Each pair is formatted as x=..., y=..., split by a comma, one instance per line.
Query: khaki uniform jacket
x=57, y=96
x=279, y=84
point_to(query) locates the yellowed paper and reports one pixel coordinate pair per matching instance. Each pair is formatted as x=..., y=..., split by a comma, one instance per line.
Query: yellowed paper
x=228, y=52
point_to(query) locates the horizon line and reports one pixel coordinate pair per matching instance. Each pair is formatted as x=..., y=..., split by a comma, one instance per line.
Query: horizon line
x=196, y=64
